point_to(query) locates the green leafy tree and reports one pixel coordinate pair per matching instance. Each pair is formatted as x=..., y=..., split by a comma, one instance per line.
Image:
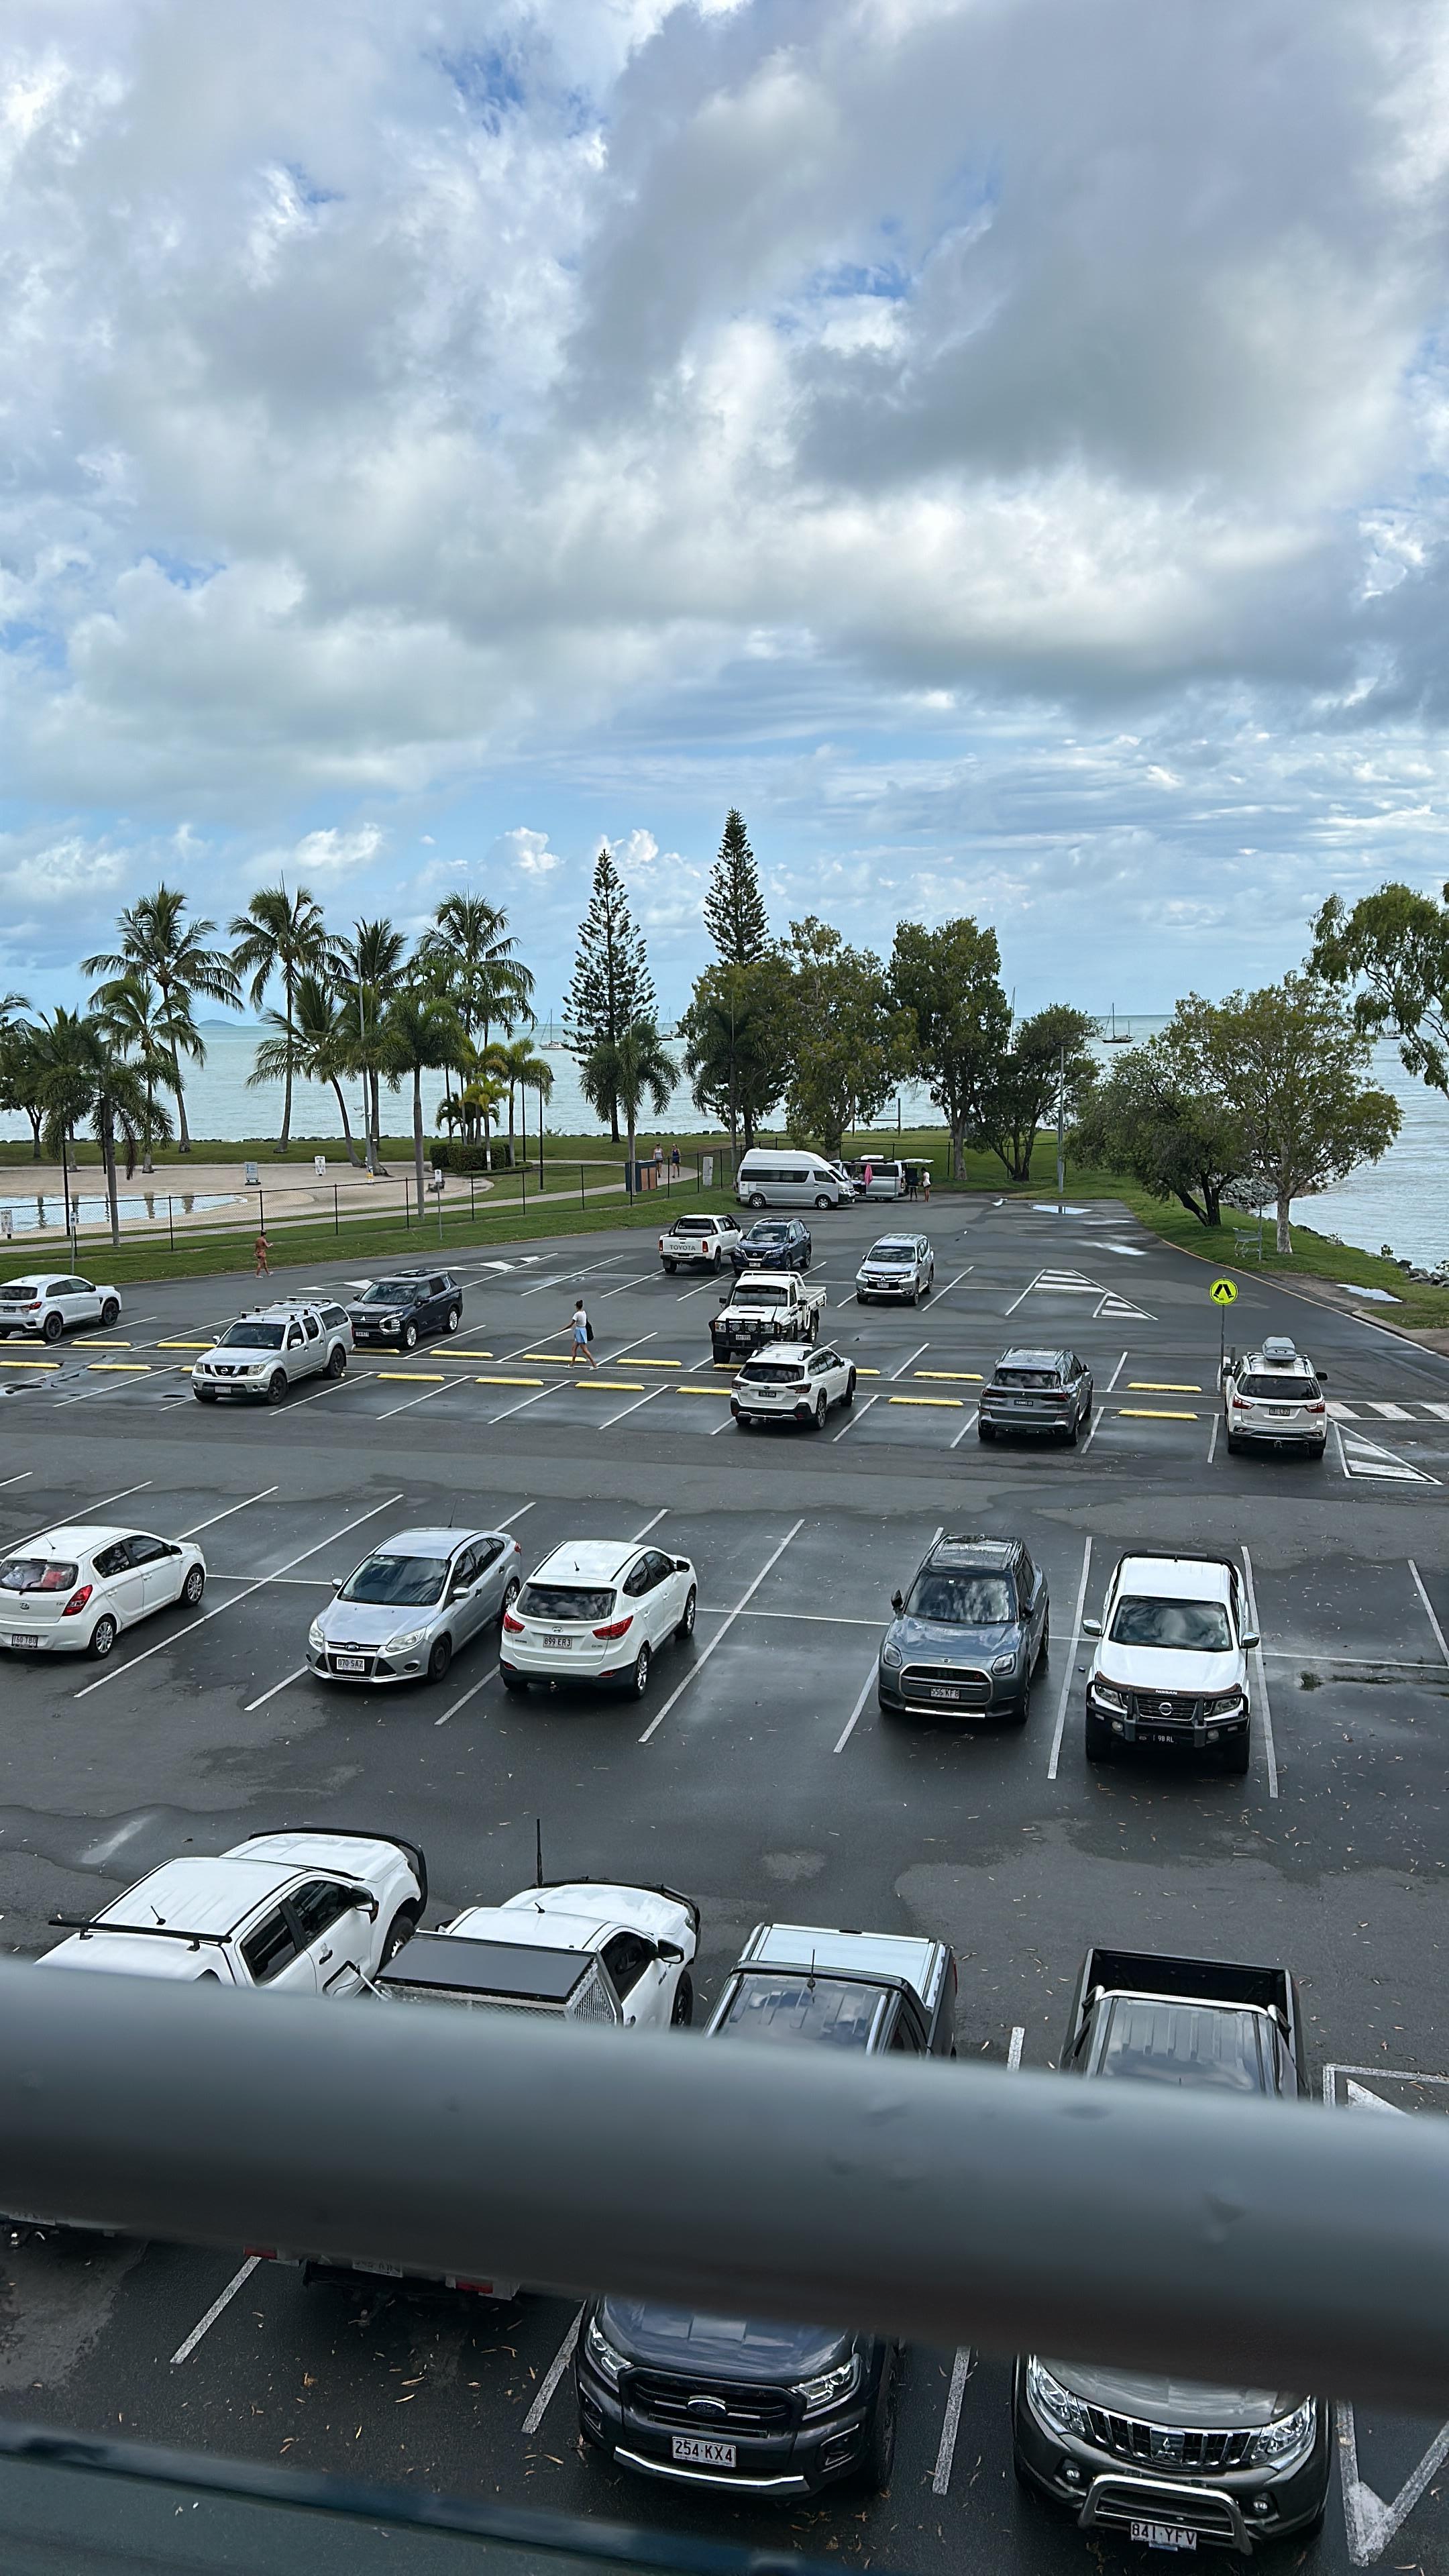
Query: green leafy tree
x=1049, y=1059
x=479, y=967
x=948, y=981
x=734, y=908
x=848, y=1041
x=281, y=936
x=370, y=968
x=628, y=1070
x=87, y=1081
x=149, y=1035
x=1395, y=946
x=611, y=987
x=737, y=1036
x=318, y=1048
x=420, y=1033
x=158, y=941
x=1289, y=1064
x=18, y=1065
x=1155, y=1119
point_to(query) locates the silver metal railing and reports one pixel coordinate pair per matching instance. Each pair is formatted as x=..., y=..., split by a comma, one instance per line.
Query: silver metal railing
x=1262, y=2245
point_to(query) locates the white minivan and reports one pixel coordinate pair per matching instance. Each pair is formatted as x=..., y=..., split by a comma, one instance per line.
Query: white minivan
x=887, y=1180
x=786, y=1176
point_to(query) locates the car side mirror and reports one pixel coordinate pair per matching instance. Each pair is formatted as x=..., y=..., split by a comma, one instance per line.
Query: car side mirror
x=669, y=1954
x=681, y=1565
x=365, y=1902
x=1091, y=1627
x=1249, y=1637
x=1322, y=1377
x=337, y=1583
x=898, y=1601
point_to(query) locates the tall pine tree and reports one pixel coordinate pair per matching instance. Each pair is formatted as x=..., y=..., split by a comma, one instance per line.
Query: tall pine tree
x=734, y=908
x=612, y=986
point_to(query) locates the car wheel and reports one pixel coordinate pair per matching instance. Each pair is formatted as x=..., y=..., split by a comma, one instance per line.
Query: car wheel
x=685, y=1629
x=915, y=1297
x=672, y=1268
x=1018, y=1711
x=52, y=1328
x=818, y=1417
x=408, y=1340
x=986, y=1431
x=1234, y=1445
x=515, y=1684
x=1098, y=1740
x=277, y=1386
x=1315, y=1449
x=878, y=2457
x=440, y=1658
x=204, y=1394
x=640, y=1674
x=1235, y=1755
x=399, y=1931
x=337, y=1362
x=1043, y=1652
x=683, y=2012
x=744, y=1422
x=848, y=1398
x=1072, y=1434
x=860, y=1296
x=194, y=1586
x=822, y=1202
x=103, y=1637
x=511, y=1590
x=755, y=1199
x=111, y=1312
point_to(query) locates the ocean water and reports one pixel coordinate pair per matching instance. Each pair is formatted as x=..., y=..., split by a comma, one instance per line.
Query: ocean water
x=1400, y=1201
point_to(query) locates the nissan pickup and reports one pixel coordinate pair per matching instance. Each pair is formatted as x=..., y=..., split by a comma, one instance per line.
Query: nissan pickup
x=765, y=1306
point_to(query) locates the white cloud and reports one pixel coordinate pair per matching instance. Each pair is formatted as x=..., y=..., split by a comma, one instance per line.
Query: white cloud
x=528, y=851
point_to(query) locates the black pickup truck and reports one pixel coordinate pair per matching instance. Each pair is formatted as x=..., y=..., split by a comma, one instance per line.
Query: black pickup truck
x=1165, y=2462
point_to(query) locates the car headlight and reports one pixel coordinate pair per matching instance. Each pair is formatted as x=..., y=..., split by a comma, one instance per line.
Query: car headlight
x=1286, y=2434
x=830, y=2387
x=1106, y=1694
x=404, y=1644
x=1004, y=1663
x=891, y=1657
x=1056, y=2405
x=316, y=1637
x=607, y=2360
x=1226, y=1704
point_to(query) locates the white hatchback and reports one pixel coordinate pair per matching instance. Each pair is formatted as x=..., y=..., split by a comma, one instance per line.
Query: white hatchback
x=71, y=1590
x=597, y=1610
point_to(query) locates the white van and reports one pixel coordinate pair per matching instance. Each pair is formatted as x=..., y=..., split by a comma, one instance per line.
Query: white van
x=887, y=1180
x=786, y=1176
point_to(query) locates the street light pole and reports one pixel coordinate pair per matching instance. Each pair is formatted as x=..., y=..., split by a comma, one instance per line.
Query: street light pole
x=1061, y=1132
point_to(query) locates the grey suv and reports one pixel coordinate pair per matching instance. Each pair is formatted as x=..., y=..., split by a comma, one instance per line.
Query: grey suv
x=1049, y=1391
x=968, y=1635
x=398, y=1310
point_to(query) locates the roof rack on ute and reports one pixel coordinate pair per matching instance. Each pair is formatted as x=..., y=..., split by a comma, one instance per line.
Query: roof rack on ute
x=86, y=1923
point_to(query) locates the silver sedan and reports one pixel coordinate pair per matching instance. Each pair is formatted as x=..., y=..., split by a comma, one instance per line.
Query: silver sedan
x=404, y=1612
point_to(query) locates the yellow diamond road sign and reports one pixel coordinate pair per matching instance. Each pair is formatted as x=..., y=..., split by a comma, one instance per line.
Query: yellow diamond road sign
x=1223, y=1291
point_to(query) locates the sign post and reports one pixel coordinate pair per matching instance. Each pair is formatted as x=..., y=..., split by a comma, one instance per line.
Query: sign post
x=1223, y=1293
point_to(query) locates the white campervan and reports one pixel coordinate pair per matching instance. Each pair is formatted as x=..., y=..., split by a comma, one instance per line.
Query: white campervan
x=786, y=1176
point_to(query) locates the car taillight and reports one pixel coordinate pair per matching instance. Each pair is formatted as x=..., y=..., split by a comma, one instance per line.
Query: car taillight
x=513, y=1626
x=801, y=1386
x=33, y=1308
x=616, y=1627
x=76, y=1602
x=1320, y=1407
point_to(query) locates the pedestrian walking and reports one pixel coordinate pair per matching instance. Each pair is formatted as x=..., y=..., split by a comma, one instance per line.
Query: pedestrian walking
x=583, y=1335
x=911, y=1180
x=866, y=1174
x=261, y=1248
x=659, y=1158
x=926, y=1183
x=674, y=1162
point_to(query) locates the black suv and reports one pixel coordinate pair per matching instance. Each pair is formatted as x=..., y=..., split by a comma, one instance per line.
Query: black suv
x=400, y=1309
x=774, y=1243
x=968, y=1635
x=744, y=2403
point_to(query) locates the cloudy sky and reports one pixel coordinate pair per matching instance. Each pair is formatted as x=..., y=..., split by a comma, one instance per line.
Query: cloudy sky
x=999, y=444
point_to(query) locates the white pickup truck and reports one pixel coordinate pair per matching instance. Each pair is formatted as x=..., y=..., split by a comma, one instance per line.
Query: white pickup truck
x=699, y=1238
x=765, y=1306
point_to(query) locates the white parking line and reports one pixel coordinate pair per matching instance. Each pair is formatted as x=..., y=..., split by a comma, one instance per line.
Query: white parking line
x=22, y=1479
x=720, y=1633
x=1429, y=1610
x=858, y=1410
x=1097, y=1417
x=699, y=1291
x=1268, y=1745
x=1116, y=1373
x=1066, y=1689
x=1013, y=2054
x=1026, y=1292
x=1213, y=1439
x=906, y=1362
x=198, y=1526
x=951, y=2426
x=552, y=2376
x=938, y=1293
x=636, y=1282
x=565, y=1278
x=490, y=1675
x=661, y=1514
x=184, y=2351
x=865, y=1691
x=334, y=1386
x=284, y=1684
x=259, y=1584
x=1342, y=1459
x=972, y=1418
x=515, y=1516
x=631, y=1407
x=409, y=1401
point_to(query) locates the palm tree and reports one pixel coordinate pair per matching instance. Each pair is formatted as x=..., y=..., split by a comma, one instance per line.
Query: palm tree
x=419, y=1034
x=536, y=1075
x=371, y=966
x=319, y=1048
x=87, y=1077
x=282, y=935
x=634, y=1064
x=484, y=977
x=151, y=1037
x=155, y=941
x=522, y=1069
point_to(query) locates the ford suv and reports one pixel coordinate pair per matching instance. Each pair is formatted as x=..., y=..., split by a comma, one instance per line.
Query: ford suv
x=1170, y=1665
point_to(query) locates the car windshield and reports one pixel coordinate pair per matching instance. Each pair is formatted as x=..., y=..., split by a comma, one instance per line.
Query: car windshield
x=768, y=2005
x=962, y=1600
x=566, y=1601
x=1026, y=1377
x=36, y=1574
x=253, y=1337
x=766, y=1293
x=390, y=1292
x=410, y=1581
x=1281, y=1390
x=891, y=1251
x=1194, y=1627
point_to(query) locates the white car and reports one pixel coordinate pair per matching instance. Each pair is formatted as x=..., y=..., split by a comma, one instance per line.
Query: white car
x=308, y=1912
x=646, y=1936
x=596, y=1610
x=711, y=1239
x=1274, y=1397
x=791, y=1382
x=51, y=1303
x=1170, y=1666
x=72, y=1589
x=262, y=1354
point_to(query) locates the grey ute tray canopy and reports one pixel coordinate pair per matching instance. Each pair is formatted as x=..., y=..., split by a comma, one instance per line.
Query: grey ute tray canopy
x=514, y=1970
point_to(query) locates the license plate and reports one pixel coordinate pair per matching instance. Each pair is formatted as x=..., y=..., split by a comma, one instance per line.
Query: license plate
x=556, y=1641
x=1280, y=1412
x=25, y=1641
x=702, y=2454
x=381, y=2271
x=943, y=1691
x=350, y=1663
x=1164, y=2535
x=1161, y=1735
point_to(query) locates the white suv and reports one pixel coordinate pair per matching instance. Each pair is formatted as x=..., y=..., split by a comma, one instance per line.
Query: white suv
x=596, y=1610
x=49, y=1304
x=1275, y=1395
x=1170, y=1666
x=791, y=1382
x=262, y=1354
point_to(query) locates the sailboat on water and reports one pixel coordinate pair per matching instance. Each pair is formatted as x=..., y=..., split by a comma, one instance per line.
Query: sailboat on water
x=1116, y=1036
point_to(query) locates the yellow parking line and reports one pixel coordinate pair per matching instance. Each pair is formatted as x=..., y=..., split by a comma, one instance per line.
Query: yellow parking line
x=415, y=1377
x=865, y=1372
x=507, y=1381
x=93, y=1342
x=45, y=1364
x=186, y=1346
x=973, y=1374
x=470, y=1355
x=952, y=1402
x=1154, y=1413
x=701, y=1390
x=616, y=1385
x=121, y=1368
x=555, y=1359
x=659, y=1363
x=1160, y=1386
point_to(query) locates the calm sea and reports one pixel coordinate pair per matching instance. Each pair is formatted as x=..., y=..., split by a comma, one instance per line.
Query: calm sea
x=1394, y=1202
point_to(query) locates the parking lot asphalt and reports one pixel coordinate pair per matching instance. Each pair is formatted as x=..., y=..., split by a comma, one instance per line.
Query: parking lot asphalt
x=757, y=1774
